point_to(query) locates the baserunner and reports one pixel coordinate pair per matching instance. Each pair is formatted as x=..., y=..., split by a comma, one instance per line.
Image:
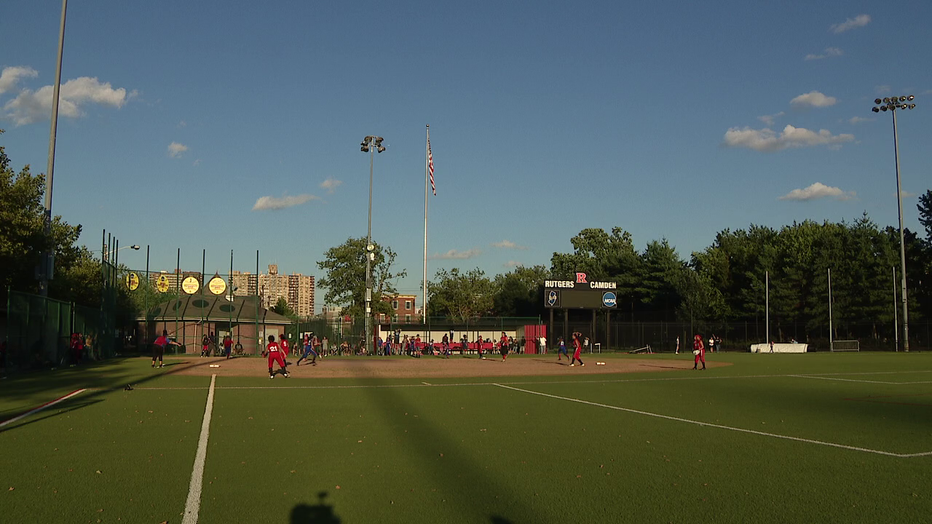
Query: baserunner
x=308, y=350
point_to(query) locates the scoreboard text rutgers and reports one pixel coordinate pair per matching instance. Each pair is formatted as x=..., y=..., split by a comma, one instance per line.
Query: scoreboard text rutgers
x=579, y=294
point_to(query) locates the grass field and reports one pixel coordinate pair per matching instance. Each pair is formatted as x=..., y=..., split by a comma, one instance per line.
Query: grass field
x=771, y=438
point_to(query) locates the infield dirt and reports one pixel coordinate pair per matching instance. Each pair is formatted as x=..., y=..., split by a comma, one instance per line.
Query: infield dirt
x=428, y=366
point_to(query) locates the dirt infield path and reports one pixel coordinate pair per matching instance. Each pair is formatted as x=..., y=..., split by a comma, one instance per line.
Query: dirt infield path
x=427, y=367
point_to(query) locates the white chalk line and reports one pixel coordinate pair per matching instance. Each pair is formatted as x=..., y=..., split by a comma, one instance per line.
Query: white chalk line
x=40, y=408
x=720, y=426
x=193, y=505
x=861, y=381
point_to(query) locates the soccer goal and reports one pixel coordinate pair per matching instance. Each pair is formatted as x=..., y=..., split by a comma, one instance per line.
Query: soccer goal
x=846, y=345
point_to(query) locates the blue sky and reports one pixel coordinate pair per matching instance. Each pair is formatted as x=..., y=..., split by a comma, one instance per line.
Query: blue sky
x=236, y=125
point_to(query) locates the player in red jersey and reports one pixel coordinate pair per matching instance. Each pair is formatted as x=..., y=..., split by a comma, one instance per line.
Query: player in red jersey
x=503, y=346
x=577, y=349
x=275, y=354
x=699, y=351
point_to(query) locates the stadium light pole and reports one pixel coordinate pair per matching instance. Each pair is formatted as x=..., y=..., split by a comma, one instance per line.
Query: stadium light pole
x=47, y=260
x=370, y=144
x=892, y=104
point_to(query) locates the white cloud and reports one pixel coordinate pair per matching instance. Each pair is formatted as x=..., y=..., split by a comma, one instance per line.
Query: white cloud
x=858, y=119
x=851, y=23
x=196, y=163
x=10, y=76
x=272, y=203
x=906, y=194
x=182, y=124
x=331, y=184
x=507, y=244
x=175, y=149
x=882, y=89
x=829, y=52
x=513, y=263
x=456, y=255
x=769, y=119
x=32, y=106
x=817, y=191
x=767, y=140
x=813, y=99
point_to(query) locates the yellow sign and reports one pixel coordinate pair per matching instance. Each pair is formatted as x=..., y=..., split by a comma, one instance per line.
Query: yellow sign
x=217, y=285
x=132, y=281
x=162, y=284
x=190, y=285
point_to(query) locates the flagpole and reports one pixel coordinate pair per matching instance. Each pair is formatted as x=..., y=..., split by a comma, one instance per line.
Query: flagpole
x=426, y=184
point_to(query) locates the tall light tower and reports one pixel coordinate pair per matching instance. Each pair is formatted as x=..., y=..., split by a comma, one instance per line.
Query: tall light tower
x=892, y=104
x=370, y=144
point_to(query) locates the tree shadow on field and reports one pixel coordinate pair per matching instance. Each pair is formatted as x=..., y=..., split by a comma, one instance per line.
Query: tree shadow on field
x=97, y=386
x=320, y=513
x=432, y=442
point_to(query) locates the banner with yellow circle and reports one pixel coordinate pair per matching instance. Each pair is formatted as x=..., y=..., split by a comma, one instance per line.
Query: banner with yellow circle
x=162, y=284
x=217, y=285
x=132, y=281
x=190, y=285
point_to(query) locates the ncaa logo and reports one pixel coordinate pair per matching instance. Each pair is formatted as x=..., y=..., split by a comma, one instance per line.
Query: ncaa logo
x=609, y=299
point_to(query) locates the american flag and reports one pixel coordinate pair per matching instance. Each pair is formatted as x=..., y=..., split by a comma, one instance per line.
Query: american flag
x=430, y=167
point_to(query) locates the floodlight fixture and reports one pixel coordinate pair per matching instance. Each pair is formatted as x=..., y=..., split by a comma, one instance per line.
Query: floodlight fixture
x=892, y=104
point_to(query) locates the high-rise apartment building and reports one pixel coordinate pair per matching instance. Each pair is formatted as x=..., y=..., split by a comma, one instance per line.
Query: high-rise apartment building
x=296, y=289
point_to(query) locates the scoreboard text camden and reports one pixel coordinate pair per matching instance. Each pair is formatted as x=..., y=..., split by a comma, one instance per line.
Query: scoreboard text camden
x=579, y=294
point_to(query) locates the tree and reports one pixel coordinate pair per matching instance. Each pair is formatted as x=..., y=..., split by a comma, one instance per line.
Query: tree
x=345, y=277
x=282, y=308
x=461, y=296
x=657, y=286
x=925, y=214
x=22, y=232
x=517, y=294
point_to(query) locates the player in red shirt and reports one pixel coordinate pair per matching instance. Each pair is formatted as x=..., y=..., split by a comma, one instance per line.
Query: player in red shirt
x=577, y=349
x=699, y=351
x=284, y=344
x=275, y=355
x=503, y=346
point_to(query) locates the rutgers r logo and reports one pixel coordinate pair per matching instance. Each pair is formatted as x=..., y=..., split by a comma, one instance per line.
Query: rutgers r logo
x=581, y=278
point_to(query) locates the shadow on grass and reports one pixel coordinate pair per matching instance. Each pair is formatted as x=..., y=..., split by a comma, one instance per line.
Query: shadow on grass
x=38, y=384
x=320, y=513
x=433, y=443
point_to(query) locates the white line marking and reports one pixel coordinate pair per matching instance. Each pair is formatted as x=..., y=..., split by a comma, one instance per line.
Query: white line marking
x=43, y=406
x=886, y=383
x=193, y=505
x=719, y=426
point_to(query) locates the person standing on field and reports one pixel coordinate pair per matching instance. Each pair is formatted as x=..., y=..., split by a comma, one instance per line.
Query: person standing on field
x=503, y=346
x=284, y=346
x=158, y=347
x=577, y=349
x=561, y=344
x=275, y=354
x=698, y=351
x=677, y=345
x=227, y=346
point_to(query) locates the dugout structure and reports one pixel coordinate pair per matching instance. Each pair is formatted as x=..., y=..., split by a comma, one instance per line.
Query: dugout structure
x=581, y=294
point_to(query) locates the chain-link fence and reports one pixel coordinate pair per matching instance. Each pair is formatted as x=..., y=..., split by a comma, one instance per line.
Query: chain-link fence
x=44, y=332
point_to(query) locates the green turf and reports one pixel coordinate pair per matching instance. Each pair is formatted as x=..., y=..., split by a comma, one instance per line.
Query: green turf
x=468, y=450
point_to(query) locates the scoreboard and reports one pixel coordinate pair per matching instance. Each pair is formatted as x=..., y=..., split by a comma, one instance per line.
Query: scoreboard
x=579, y=294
